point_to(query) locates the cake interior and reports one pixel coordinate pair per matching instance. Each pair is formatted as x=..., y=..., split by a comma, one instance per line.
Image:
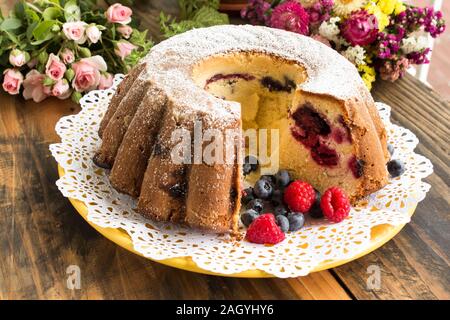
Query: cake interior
x=315, y=143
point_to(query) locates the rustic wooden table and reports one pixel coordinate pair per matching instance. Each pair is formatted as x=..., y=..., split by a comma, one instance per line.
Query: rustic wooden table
x=41, y=234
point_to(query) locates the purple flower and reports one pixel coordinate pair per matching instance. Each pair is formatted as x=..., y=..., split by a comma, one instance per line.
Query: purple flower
x=320, y=11
x=361, y=28
x=414, y=18
x=256, y=11
x=291, y=16
x=419, y=57
x=388, y=45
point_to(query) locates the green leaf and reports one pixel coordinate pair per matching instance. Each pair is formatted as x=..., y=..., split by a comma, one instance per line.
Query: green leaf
x=31, y=15
x=208, y=16
x=51, y=13
x=30, y=30
x=188, y=8
x=12, y=37
x=10, y=24
x=43, y=30
x=19, y=10
x=72, y=11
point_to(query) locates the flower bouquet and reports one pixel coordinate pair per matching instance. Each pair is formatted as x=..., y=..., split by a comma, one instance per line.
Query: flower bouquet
x=64, y=48
x=382, y=37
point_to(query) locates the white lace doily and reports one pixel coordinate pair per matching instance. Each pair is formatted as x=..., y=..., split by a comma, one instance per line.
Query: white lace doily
x=300, y=253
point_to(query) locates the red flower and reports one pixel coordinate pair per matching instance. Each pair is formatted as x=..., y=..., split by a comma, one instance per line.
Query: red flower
x=291, y=16
x=361, y=28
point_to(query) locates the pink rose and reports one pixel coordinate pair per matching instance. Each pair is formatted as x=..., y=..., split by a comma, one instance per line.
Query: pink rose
x=93, y=34
x=124, y=48
x=106, y=81
x=87, y=73
x=54, y=68
x=118, y=13
x=33, y=86
x=67, y=56
x=75, y=31
x=12, y=81
x=361, y=28
x=17, y=58
x=125, y=31
x=61, y=89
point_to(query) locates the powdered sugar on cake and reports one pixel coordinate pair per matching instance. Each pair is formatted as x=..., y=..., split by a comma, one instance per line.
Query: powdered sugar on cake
x=170, y=65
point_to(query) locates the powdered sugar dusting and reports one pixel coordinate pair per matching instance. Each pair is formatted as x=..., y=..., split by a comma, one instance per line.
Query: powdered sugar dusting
x=170, y=65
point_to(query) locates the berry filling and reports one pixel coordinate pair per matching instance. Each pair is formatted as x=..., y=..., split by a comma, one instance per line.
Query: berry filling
x=178, y=190
x=275, y=85
x=346, y=135
x=231, y=76
x=356, y=166
x=324, y=155
x=310, y=127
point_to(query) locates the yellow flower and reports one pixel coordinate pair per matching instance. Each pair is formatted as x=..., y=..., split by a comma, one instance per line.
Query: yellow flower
x=368, y=75
x=399, y=7
x=386, y=6
x=390, y=6
x=382, y=18
x=345, y=7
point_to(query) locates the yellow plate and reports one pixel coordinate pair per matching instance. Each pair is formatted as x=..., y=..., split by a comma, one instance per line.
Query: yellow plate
x=379, y=236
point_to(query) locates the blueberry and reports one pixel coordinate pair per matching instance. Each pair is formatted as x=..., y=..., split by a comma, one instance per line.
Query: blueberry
x=256, y=204
x=250, y=164
x=283, y=223
x=277, y=198
x=316, y=211
x=246, y=168
x=282, y=178
x=247, y=195
x=396, y=168
x=280, y=210
x=248, y=216
x=296, y=221
x=269, y=177
x=391, y=149
x=263, y=189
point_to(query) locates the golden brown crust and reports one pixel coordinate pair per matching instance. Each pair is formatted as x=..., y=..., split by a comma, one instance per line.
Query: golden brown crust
x=120, y=93
x=368, y=146
x=214, y=190
x=132, y=157
x=163, y=190
x=118, y=125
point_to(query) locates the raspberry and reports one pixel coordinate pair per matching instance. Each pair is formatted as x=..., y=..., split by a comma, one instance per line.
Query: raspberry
x=299, y=196
x=264, y=230
x=335, y=204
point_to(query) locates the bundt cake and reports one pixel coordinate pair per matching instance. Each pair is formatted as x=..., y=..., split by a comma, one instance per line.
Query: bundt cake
x=229, y=78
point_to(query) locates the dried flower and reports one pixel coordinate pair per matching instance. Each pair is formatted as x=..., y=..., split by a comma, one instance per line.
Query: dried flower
x=291, y=16
x=256, y=12
x=392, y=70
x=361, y=28
x=345, y=7
x=355, y=55
x=320, y=11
